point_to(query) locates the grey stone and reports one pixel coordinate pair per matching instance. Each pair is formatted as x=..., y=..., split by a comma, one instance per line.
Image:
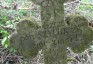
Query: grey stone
x=23, y=39
x=54, y=36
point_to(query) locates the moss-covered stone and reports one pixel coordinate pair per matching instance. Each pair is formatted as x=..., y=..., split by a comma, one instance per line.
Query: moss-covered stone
x=85, y=37
x=55, y=34
x=40, y=2
x=76, y=20
x=23, y=39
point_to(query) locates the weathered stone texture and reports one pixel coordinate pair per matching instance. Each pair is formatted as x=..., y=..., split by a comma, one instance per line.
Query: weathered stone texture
x=54, y=36
x=23, y=39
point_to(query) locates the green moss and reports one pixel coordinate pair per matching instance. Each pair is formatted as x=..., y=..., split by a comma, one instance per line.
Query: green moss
x=85, y=37
x=40, y=2
x=24, y=38
x=28, y=22
x=76, y=20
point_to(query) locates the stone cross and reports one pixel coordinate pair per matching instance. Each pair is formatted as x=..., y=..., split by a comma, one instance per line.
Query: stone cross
x=55, y=34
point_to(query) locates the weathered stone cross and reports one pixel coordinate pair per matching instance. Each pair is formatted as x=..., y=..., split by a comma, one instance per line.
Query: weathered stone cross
x=55, y=34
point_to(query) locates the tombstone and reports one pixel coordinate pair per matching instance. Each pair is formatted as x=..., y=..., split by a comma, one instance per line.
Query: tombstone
x=54, y=36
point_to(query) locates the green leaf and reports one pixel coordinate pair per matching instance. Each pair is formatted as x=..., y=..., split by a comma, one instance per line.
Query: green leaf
x=4, y=32
x=5, y=42
x=8, y=22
